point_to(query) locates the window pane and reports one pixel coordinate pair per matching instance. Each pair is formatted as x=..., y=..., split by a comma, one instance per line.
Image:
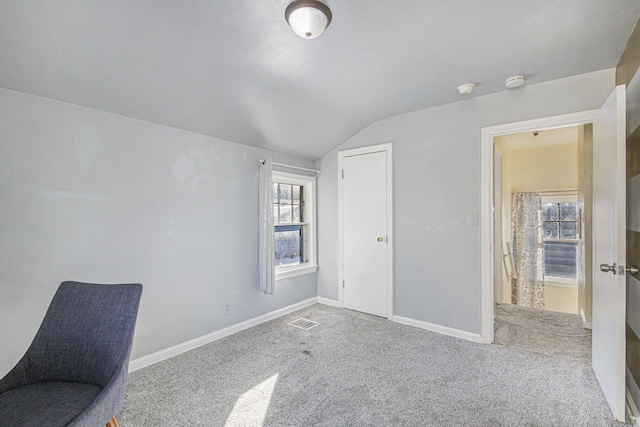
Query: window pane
x=568, y=212
x=568, y=230
x=285, y=213
x=275, y=192
x=550, y=212
x=550, y=230
x=296, y=214
x=285, y=193
x=296, y=194
x=275, y=214
x=560, y=259
x=288, y=245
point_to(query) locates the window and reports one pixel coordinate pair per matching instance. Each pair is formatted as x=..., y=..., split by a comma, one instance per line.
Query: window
x=560, y=216
x=293, y=214
x=291, y=230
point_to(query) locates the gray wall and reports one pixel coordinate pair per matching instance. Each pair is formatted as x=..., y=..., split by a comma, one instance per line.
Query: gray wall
x=91, y=196
x=436, y=185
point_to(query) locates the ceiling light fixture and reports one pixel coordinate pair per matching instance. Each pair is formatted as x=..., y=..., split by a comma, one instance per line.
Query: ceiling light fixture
x=466, y=88
x=515, y=81
x=308, y=18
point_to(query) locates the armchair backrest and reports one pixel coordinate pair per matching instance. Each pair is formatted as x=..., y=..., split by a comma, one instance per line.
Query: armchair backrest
x=86, y=334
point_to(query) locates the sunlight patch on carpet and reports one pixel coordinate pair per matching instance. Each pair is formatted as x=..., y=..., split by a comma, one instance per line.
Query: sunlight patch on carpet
x=251, y=408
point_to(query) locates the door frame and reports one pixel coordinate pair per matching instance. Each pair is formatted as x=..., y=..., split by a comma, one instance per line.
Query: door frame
x=486, y=203
x=498, y=261
x=388, y=148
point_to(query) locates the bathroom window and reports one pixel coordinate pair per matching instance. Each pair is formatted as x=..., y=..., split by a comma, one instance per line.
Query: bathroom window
x=561, y=228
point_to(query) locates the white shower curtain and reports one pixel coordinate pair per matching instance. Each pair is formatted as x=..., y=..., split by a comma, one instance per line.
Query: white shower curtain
x=527, y=287
x=266, y=257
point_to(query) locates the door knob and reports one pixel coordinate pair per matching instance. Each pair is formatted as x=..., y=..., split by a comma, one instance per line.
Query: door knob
x=380, y=239
x=615, y=270
x=605, y=268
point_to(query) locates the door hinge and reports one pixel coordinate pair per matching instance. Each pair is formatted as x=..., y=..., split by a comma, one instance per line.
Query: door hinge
x=343, y=283
x=343, y=173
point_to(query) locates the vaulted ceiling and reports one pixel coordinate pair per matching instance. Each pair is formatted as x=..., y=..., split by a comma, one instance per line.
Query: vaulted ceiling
x=233, y=69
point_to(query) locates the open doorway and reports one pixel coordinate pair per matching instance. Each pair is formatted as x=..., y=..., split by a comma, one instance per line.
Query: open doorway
x=492, y=255
x=542, y=219
x=608, y=234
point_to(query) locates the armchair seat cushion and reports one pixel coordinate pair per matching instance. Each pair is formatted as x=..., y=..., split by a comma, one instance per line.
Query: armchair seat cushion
x=53, y=404
x=74, y=373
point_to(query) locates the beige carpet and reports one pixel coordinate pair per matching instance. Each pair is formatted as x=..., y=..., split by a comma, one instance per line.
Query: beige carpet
x=355, y=369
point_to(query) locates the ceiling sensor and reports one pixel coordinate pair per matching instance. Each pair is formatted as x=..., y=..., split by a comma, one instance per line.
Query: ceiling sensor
x=515, y=81
x=466, y=88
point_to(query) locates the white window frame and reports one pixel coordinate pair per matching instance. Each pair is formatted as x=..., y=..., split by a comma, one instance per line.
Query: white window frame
x=309, y=214
x=563, y=282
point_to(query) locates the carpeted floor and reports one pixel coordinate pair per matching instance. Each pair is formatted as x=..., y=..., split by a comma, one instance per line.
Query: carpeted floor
x=355, y=369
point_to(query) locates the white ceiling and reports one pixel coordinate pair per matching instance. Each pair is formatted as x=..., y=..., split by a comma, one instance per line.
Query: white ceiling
x=233, y=69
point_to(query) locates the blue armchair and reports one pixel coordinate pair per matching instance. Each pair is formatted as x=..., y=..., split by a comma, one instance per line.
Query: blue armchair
x=75, y=371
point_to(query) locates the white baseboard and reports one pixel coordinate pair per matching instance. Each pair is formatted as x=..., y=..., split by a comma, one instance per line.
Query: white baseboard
x=170, y=352
x=632, y=393
x=585, y=324
x=439, y=329
x=331, y=302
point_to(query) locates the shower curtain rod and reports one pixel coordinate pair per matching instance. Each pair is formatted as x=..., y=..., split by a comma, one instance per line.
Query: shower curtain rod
x=292, y=167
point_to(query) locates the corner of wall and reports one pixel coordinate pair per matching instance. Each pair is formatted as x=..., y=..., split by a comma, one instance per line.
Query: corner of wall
x=630, y=59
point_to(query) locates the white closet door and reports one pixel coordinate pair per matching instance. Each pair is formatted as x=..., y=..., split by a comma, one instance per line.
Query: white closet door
x=365, y=235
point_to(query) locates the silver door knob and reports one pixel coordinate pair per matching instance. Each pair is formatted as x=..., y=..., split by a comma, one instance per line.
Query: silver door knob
x=605, y=268
x=632, y=269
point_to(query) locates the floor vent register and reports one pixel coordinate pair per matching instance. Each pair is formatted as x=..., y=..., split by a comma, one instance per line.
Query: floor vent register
x=305, y=324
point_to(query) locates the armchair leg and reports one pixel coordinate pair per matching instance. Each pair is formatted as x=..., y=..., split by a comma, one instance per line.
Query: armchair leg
x=112, y=423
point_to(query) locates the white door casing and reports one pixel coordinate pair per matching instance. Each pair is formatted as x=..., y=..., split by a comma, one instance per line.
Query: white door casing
x=365, y=230
x=498, y=260
x=609, y=247
x=488, y=249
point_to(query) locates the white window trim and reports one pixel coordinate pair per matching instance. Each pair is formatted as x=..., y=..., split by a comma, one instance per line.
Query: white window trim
x=309, y=183
x=560, y=282
x=287, y=272
x=570, y=198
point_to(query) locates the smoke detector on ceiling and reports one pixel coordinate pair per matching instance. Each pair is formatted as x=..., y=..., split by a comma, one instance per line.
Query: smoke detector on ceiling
x=515, y=81
x=466, y=88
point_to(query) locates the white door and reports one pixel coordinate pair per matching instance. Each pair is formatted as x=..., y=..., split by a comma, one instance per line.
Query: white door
x=609, y=246
x=364, y=232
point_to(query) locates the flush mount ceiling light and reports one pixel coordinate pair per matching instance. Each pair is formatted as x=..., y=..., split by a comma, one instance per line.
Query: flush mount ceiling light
x=466, y=88
x=515, y=81
x=308, y=18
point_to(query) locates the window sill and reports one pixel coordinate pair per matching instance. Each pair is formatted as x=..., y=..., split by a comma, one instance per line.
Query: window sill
x=560, y=282
x=293, y=271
